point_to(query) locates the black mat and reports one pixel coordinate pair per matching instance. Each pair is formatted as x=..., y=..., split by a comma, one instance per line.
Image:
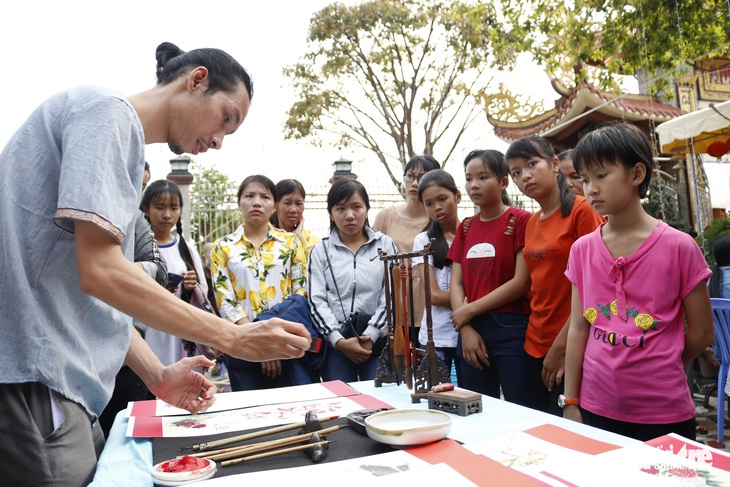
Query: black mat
x=346, y=444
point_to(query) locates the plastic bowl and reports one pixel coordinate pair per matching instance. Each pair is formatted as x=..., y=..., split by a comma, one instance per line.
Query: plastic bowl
x=406, y=427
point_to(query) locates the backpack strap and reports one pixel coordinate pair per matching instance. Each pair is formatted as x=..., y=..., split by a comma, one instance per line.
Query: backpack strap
x=465, y=226
x=511, y=225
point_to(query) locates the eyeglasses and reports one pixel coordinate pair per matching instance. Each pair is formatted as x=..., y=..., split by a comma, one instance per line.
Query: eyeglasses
x=409, y=177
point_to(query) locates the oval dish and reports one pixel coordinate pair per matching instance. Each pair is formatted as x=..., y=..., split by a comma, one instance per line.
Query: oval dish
x=406, y=427
x=162, y=477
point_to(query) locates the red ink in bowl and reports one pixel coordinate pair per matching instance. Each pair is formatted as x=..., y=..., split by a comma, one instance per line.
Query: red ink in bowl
x=185, y=468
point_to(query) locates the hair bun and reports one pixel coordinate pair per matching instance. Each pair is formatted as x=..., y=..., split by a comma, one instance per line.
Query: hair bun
x=165, y=52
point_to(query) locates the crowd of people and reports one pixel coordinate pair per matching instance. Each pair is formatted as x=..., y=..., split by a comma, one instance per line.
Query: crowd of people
x=548, y=310
x=537, y=309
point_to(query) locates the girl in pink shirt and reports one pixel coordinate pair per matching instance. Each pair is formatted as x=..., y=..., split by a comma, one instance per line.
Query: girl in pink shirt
x=635, y=281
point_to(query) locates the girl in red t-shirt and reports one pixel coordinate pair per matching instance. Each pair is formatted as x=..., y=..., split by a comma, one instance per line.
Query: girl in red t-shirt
x=488, y=284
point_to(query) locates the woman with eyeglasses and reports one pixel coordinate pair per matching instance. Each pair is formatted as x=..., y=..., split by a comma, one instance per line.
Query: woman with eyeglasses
x=403, y=222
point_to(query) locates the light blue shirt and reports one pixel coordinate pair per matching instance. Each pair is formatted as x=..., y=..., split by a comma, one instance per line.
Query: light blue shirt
x=78, y=157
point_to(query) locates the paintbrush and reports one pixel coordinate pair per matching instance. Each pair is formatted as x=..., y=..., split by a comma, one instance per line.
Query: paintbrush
x=398, y=337
x=218, y=455
x=258, y=434
x=405, y=292
x=272, y=453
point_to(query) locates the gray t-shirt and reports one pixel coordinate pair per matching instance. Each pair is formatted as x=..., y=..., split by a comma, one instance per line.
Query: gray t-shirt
x=78, y=157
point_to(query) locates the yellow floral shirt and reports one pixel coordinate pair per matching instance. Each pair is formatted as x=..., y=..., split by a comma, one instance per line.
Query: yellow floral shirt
x=249, y=280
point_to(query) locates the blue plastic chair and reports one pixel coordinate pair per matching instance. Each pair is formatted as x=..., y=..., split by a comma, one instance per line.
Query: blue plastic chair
x=721, y=319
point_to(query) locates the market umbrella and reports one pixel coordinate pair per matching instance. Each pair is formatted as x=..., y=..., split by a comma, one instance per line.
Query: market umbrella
x=699, y=129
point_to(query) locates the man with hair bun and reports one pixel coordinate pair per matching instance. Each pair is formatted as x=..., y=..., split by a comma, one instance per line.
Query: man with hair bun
x=70, y=179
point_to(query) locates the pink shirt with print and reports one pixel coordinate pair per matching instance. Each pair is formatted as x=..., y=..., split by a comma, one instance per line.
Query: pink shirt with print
x=632, y=369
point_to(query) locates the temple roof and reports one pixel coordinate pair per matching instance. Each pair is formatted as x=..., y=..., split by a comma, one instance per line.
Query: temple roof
x=564, y=125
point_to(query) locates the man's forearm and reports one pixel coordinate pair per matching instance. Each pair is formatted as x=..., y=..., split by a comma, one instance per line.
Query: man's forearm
x=105, y=274
x=142, y=360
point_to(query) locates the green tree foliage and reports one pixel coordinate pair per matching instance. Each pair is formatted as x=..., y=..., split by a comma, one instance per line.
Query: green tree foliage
x=661, y=202
x=719, y=227
x=213, y=209
x=396, y=77
x=601, y=40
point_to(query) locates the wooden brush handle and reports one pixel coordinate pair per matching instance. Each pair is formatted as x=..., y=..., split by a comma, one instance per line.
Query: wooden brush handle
x=398, y=336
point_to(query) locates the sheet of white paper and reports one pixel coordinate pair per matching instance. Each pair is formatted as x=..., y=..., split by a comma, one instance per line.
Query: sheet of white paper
x=244, y=399
x=245, y=419
x=692, y=450
x=385, y=469
x=530, y=455
x=643, y=465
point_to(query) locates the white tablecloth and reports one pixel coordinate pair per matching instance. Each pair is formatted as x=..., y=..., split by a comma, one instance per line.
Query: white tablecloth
x=127, y=461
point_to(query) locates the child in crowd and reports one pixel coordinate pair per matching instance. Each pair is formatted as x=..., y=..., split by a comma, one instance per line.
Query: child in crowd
x=635, y=283
x=162, y=205
x=575, y=182
x=440, y=196
x=562, y=219
x=489, y=282
x=345, y=277
x=255, y=268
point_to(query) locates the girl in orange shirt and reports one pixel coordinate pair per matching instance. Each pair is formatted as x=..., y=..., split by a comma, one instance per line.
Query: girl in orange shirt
x=562, y=219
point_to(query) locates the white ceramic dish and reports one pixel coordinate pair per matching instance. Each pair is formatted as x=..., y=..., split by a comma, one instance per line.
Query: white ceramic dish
x=161, y=477
x=405, y=427
x=167, y=483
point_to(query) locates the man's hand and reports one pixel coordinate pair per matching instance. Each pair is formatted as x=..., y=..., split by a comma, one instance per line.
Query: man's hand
x=269, y=340
x=184, y=388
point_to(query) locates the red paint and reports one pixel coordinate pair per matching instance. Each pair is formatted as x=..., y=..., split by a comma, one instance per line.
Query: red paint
x=339, y=388
x=146, y=426
x=144, y=408
x=184, y=464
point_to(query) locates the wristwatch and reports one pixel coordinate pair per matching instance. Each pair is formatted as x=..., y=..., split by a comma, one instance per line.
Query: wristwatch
x=567, y=401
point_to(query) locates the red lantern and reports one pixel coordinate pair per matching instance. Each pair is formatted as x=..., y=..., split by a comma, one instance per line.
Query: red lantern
x=717, y=149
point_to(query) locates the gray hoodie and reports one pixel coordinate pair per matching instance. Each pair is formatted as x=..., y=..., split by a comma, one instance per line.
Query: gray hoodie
x=359, y=281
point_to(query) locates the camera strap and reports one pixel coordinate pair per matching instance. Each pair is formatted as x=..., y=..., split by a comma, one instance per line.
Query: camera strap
x=329, y=263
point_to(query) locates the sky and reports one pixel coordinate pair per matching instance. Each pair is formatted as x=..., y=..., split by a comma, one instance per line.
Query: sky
x=48, y=46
